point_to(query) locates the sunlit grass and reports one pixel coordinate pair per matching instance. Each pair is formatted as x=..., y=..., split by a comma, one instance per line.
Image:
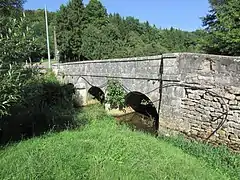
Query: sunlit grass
x=102, y=149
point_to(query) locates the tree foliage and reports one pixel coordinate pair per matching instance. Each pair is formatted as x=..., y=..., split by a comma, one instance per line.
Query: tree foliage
x=17, y=42
x=222, y=26
x=36, y=18
x=11, y=7
x=30, y=103
x=96, y=14
x=115, y=94
x=69, y=29
x=89, y=32
x=95, y=34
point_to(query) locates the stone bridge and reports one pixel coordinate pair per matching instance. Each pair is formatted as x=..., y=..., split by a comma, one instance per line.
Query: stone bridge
x=195, y=94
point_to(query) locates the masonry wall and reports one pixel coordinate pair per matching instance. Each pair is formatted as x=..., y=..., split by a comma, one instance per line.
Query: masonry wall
x=206, y=98
x=200, y=94
x=136, y=74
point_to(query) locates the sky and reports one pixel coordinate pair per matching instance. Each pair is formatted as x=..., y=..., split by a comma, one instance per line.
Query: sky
x=181, y=14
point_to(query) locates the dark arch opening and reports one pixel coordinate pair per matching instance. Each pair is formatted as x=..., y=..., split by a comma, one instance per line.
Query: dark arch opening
x=140, y=103
x=97, y=93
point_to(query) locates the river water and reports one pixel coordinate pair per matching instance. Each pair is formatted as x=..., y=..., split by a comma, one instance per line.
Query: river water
x=137, y=121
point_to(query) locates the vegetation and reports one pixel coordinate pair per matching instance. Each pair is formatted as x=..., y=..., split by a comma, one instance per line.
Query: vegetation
x=111, y=36
x=30, y=103
x=222, y=28
x=32, y=106
x=33, y=103
x=115, y=94
x=17, y=42
x=89, y=32
x=102, y=150
x=217, y=157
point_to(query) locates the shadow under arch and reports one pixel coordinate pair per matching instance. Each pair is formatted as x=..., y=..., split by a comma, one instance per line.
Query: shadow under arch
x=140, y=103
x=97, y=94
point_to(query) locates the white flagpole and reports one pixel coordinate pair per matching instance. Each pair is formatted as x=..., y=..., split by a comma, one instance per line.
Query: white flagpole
x=48, y=47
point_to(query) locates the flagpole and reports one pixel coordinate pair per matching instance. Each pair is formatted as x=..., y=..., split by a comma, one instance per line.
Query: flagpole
x=48, y=47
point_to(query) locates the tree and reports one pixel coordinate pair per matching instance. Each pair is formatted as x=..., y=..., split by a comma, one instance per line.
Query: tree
x=76, y=9
x=101, y=43
x=37, y=19
x=95, y=13
x=18, y=44
x=69, y=29
x=222, y=26
x=91, y=32
x=11, y=7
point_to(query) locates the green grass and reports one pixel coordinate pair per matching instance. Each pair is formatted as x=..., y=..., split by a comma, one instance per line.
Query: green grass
x=102, y=149
x=218, y=157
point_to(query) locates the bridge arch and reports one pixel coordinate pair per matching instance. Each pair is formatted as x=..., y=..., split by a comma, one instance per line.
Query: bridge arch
x=97, y=94
x=140, y=103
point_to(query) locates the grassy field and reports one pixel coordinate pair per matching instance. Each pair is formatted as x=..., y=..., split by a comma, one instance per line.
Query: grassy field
x=104, y=150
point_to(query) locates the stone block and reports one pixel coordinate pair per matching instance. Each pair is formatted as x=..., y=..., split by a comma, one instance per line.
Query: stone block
x=209, y=108
x=188, y=103
x=215, y=114
x=215, y=99
x=233, y=90
x=168, y=77
x=171, y=70
x=208, y=97
x=208, y=79
x=170, y=62
x=197, y=105
x=232, y=130
x=234, y=125
x=233, y=137
x=194, y=96
x=230, y=113
x=205, y=118
x=204, y=102
x=230, y=118
x=194, y=132
x=156, y=63
x=234, y=107
x=189, y=116
x=199, y=110
x=233, y=102
x=229, y=96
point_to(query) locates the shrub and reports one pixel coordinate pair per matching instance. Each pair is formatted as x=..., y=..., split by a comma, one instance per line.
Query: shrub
x=40, y=104
x=115, y=94
x=12, y=80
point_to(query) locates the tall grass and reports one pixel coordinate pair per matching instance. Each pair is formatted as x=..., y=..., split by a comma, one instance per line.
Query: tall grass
x=217, y=157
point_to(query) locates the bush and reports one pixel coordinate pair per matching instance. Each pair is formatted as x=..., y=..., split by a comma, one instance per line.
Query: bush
x=40, y=104
x=115, y=94
x=12, y=80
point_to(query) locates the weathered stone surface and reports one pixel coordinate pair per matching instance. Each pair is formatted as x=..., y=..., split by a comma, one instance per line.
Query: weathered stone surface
x=208, y=97
x=201, y=111
x=233, y=102
x=194, y=96
x=230, y=118
x=197, y=88
x=188, y=103
x=233, y=90
x=229, y=96
x=234, y=125
x=234, y=107
x=205, y=118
